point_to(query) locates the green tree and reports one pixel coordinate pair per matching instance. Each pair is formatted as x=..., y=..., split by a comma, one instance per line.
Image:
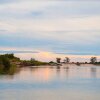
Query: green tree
x=6, y=62
x=10, y=56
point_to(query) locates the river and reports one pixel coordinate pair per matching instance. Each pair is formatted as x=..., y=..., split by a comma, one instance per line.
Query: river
x=70, y=82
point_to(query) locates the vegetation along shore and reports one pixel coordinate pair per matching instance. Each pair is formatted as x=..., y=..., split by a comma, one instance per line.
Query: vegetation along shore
x=9, y=63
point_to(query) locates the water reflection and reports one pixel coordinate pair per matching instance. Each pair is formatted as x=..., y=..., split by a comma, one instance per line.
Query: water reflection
x=58, y=70
x=67, y=71
x=46, y=83
x=48, y=73
x=93, y=72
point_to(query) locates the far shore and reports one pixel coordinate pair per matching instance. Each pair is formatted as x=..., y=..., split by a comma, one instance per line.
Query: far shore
x=9, y=63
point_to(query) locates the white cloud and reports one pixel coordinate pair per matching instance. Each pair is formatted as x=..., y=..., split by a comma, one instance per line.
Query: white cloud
x=31, y=16
x=60, y=21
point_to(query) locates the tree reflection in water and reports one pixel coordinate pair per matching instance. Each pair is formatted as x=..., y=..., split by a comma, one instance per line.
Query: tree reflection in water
x=93, y=72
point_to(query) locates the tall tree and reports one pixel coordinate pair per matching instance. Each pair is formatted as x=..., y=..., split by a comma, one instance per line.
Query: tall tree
x=93, y=60
x=67, y=60
x=58, y=60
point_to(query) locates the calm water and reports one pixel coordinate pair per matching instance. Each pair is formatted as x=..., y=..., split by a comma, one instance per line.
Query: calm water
x=73, y=83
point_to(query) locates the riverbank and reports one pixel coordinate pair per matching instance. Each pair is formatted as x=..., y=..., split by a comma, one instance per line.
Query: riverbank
x=9, y=63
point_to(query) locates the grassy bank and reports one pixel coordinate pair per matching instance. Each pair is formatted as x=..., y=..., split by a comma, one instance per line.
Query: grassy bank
x=9, y=63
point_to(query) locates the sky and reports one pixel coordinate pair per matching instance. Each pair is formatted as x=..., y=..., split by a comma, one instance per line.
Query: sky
x=50, y=27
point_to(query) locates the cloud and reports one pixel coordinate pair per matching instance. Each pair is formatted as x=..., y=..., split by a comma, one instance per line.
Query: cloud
x=71, y=27
x=50, y=9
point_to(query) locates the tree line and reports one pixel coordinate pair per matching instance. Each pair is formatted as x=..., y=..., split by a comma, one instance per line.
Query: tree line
x=9, y=63
x=93, y=60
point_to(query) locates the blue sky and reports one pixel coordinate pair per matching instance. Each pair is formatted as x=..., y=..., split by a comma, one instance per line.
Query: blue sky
x=57, y=26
